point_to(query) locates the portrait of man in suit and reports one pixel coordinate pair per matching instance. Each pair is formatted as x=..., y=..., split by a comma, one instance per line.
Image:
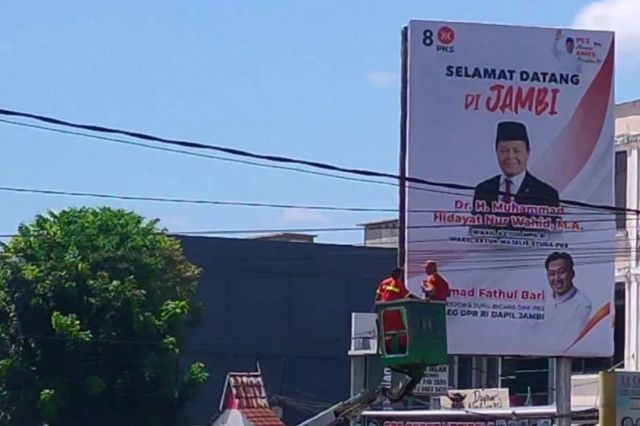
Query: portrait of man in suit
x=515, y=184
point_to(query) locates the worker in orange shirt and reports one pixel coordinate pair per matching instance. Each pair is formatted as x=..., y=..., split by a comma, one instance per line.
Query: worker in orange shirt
x=434, y=287
x=390, y=289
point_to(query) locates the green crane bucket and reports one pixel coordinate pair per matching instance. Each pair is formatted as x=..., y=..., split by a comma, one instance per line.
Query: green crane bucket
x=412, y=333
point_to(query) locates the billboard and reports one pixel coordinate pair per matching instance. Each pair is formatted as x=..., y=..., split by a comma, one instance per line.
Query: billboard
x=517, y=122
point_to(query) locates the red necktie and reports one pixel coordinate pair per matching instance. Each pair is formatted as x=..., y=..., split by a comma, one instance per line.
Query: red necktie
x=507, y=189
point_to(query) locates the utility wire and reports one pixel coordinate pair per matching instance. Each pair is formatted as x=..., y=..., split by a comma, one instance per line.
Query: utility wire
x=194, y=154
x=200, y=201
x=89, y=194
x=254, y=163
x=281, y=159
x=328, y=229
x=226, y=159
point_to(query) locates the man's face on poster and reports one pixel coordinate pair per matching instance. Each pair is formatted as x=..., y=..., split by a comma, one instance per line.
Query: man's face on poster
x=560, y=276
x=512, y=157
x=569, y=45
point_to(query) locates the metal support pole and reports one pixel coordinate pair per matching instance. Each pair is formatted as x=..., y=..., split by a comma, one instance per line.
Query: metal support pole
x=563, y=391
x=402, y=201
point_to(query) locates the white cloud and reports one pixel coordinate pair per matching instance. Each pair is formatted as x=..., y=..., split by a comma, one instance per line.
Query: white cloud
x=620, y=16
x=381, y=79
x=303, y=215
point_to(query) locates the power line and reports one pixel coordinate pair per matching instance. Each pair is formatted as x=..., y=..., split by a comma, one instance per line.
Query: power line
x=194, y=154
x=71, y=193
x=122, y=197
x=282, y=159
x=226, y=159
x=200, y=201
x=342, y=229
x=272, y=230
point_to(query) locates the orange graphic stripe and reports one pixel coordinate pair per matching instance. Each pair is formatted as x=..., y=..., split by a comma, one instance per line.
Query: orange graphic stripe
x=601, y=314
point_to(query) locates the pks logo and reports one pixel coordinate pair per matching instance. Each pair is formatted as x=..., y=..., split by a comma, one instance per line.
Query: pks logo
x=445, y=38
x=446, y=35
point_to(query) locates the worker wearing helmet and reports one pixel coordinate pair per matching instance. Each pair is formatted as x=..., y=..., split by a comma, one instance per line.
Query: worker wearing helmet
x=435, y=287
x=390, y=289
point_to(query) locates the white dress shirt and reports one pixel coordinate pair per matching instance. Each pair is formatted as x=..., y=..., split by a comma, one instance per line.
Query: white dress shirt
x=569, y=62
x=567, y=315
x=516, y=183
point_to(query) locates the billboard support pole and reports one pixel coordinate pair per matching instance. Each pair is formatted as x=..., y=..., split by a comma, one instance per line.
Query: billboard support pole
x=402, y=202
x=563, y=391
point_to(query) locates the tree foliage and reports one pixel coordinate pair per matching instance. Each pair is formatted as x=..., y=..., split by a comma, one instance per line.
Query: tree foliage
x=94, y=305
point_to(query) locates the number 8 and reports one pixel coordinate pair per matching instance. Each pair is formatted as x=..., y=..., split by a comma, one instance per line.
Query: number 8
x=427, y=39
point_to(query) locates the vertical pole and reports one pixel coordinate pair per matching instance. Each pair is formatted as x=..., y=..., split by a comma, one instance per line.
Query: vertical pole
x=551, y=379
x=358, y=379
x=402, y=202
x=631, y=291
x=563, y=391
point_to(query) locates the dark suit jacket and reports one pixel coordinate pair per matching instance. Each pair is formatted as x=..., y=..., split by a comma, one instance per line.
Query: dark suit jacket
x=533, y=192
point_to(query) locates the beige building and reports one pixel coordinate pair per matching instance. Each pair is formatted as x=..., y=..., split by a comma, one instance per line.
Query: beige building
x=627, y=194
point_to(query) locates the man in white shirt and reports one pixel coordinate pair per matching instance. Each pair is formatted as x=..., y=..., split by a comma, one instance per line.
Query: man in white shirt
x=568, y=310
x=566, y=54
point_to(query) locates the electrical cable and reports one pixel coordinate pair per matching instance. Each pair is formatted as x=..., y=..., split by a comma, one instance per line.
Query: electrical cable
x=122, y=197
x=302, y=230
x=193, y=154
x=282, y=159
x=198, y=201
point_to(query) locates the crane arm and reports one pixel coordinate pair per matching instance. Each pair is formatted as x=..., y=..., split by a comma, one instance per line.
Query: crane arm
x=354, y=406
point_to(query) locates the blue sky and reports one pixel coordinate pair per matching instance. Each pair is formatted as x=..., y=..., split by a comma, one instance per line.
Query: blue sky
x=310, y=79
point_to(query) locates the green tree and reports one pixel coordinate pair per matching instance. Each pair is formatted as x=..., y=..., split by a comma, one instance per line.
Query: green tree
x=94, y=306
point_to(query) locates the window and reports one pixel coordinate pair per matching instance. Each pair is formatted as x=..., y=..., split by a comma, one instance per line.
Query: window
x=620, y=187
x=465, y=372
x=526, y=377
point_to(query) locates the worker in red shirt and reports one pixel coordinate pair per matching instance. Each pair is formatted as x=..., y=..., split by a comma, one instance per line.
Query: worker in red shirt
x=434, y=287
x=390, y=289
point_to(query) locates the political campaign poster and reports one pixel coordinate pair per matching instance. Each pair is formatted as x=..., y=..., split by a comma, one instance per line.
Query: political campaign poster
x=508, y=149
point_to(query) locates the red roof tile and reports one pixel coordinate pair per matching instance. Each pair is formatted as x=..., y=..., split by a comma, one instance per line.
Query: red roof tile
x=245, y=390
x=262, y=417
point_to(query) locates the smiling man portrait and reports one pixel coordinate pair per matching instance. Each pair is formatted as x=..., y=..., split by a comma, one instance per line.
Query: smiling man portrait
x=568, y=309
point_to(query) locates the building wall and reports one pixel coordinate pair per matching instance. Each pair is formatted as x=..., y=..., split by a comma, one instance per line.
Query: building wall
x=286, y=305
x=627, y=144
x=381, y=234
x=627, y=120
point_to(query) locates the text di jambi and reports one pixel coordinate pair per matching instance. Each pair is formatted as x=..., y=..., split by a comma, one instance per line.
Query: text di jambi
x=514, y=99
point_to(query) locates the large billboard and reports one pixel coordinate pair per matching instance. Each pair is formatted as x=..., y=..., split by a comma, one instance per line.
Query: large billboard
x=517, y=122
